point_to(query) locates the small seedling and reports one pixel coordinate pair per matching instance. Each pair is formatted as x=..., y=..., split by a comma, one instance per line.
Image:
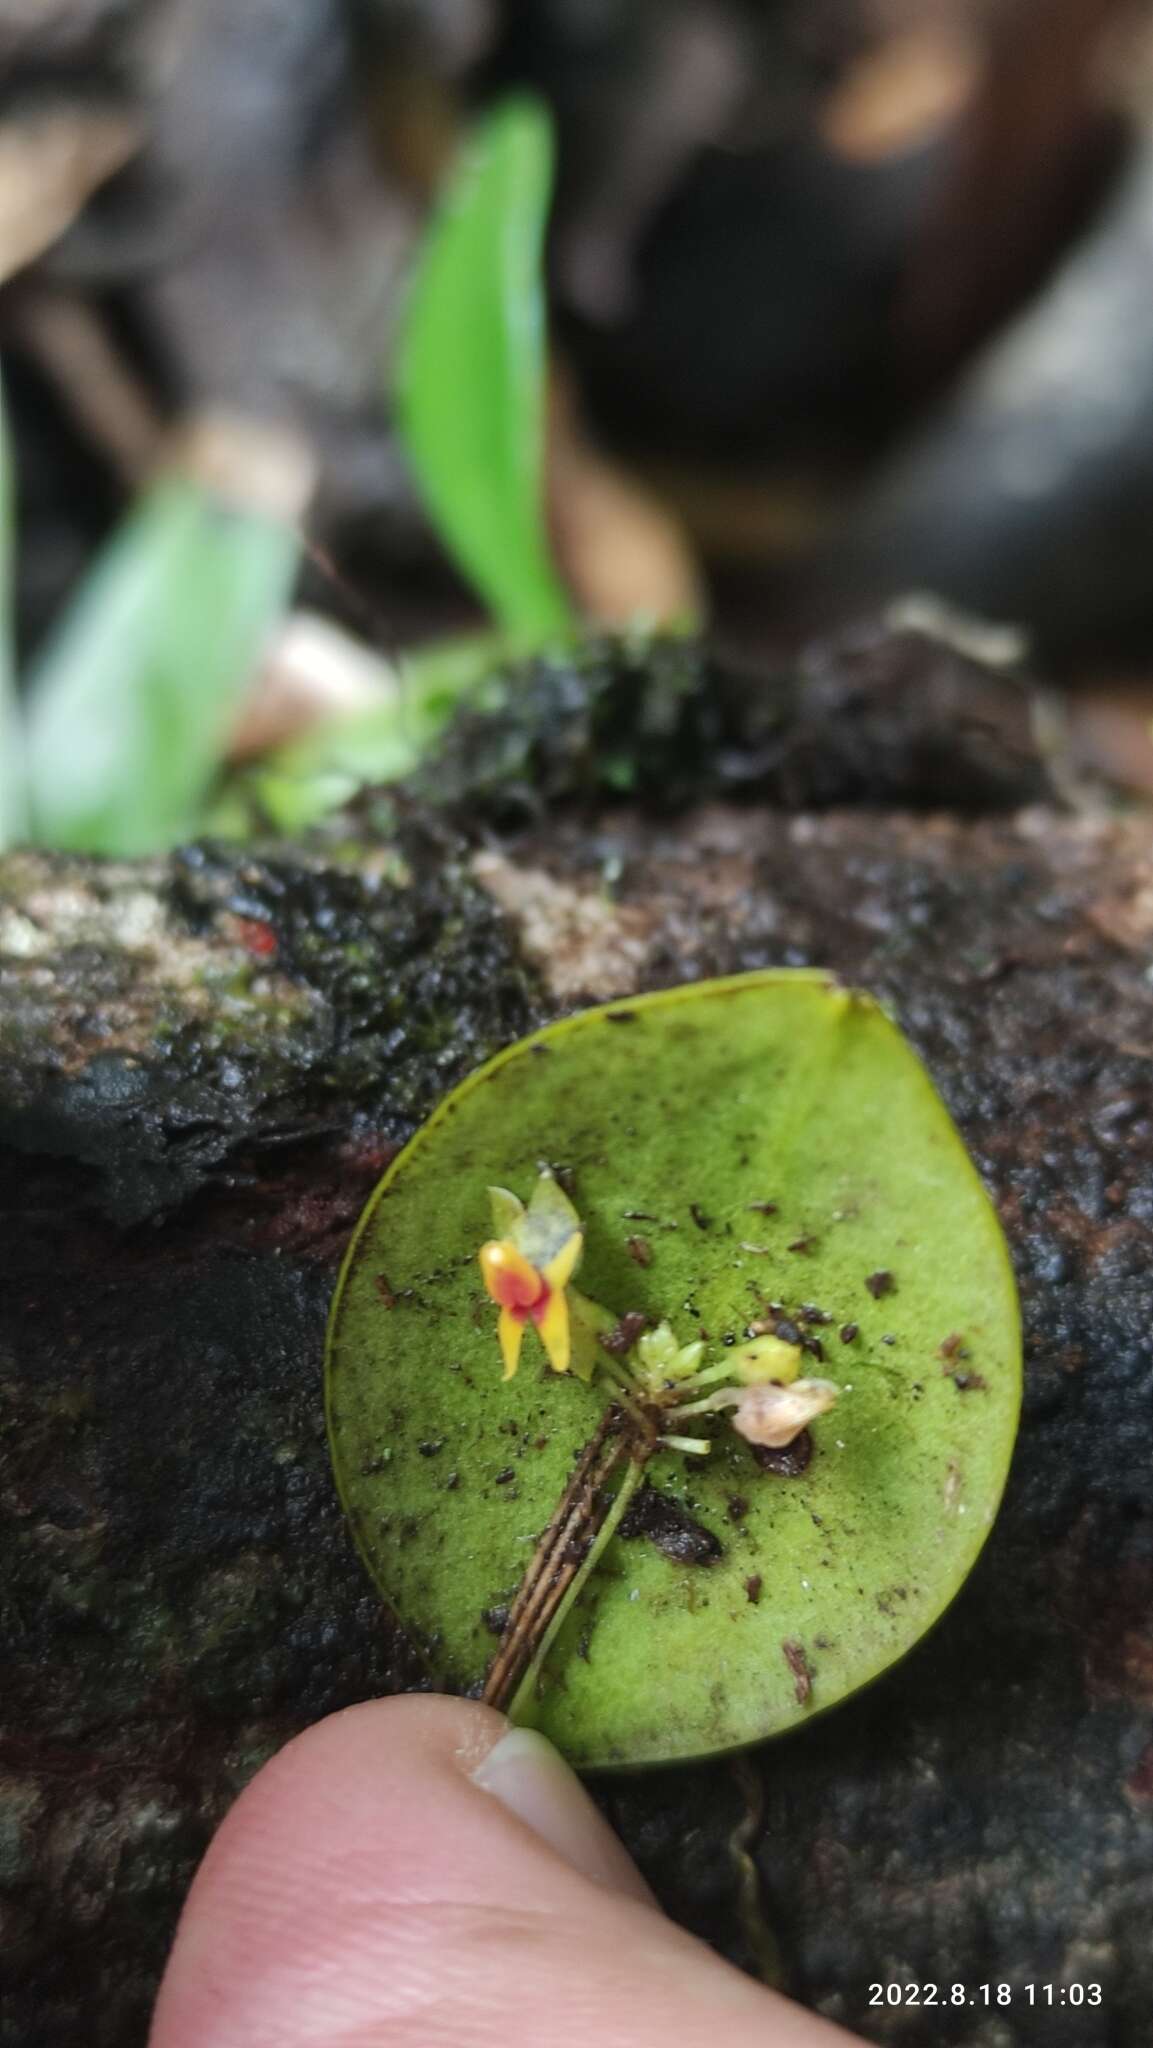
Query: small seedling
x=114, y=742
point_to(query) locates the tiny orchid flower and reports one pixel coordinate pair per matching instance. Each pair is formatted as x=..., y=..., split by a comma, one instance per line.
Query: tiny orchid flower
x=773, y=1405
x=774, y=1415
x=527, y=1269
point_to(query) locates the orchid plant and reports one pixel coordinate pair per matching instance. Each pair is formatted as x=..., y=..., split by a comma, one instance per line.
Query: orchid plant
x=654, y=1384
x=672, y=1368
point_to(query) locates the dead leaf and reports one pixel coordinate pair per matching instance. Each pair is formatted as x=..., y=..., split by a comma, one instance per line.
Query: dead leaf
x=899, y=95
x=51, y=161
x=1111, y=724
x=623, y=554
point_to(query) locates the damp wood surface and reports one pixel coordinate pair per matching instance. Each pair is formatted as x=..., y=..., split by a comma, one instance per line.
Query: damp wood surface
x=205, y=1065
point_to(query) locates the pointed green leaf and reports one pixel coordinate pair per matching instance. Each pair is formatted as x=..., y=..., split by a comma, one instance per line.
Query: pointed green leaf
x=470, y=389
x=693, y=1109
x=130, y=702
x=506, y=1209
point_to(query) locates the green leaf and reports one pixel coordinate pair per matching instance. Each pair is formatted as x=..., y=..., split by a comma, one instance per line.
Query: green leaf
x=131, y=700
x=692, y=1108
x=689, y=1108
x=13, y=794
x=506, y=1209
x=470, y=387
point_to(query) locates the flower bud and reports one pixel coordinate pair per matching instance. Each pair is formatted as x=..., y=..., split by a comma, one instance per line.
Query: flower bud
x=774, y=1415
x=767, y=1358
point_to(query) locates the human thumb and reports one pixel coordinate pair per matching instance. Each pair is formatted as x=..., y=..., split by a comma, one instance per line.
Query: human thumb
x=415, y=1872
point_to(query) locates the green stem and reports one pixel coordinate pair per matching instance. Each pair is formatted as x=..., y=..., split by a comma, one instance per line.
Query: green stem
x=707, y=1378
x=709, y=1406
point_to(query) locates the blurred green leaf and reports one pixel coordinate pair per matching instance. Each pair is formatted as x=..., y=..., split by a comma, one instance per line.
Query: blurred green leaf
x=131, y=699
x=13, y=795
x=471, y=389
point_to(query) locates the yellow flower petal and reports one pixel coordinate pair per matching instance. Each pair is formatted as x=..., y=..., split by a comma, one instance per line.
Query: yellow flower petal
x=554, y=1331
x=510, y=1330
x=560, y=1269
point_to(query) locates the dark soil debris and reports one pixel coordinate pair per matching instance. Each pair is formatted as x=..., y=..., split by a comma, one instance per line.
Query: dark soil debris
x=676, y=1533
x=880, y=1283
x=789, y=1460
x=625, y=1333
x=798, y=1664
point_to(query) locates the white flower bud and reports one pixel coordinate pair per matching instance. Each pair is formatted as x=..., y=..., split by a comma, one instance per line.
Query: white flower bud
x=772, y=1415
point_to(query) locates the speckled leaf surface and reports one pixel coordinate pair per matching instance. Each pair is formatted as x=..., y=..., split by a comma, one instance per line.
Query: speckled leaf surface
x=674, y=1119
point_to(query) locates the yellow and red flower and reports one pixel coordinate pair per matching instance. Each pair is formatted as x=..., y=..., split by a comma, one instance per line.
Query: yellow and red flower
x=527, y=1270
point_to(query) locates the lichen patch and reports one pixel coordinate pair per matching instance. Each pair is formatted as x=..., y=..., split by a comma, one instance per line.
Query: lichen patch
x=583, y=944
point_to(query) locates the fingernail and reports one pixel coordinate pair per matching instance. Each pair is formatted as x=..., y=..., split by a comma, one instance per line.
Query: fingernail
x=524, y=1772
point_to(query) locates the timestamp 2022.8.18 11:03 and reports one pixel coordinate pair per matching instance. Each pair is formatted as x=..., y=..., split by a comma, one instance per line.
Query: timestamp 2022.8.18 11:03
x=1040, y=1995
